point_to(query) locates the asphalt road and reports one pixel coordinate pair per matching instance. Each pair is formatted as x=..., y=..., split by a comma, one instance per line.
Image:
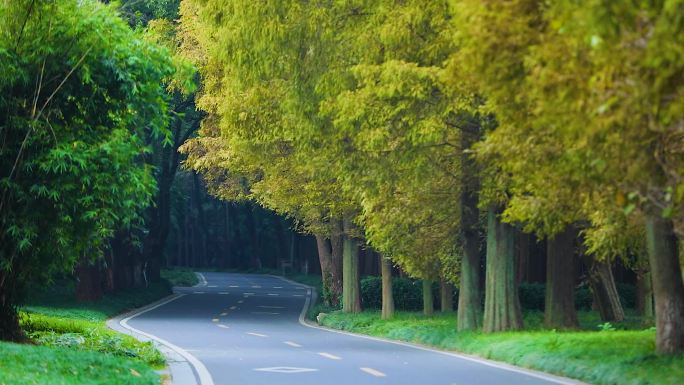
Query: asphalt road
x=246, y=330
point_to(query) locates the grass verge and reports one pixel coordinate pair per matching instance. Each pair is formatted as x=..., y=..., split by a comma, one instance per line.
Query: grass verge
x=600, y=357
x=72, y=345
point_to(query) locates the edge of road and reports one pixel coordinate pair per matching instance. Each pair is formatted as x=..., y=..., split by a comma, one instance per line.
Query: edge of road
x=182, y=367
x=310, y=299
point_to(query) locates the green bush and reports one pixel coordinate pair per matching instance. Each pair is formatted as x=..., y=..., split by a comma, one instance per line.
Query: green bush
x=532, y=296
x=408, y=295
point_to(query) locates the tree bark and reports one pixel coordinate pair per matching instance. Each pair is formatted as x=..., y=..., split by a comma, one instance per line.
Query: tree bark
x=668, y=288
x=559, y=308
x=502, y=305
x=606, y=297
x=325, y=259
x=254, y=256
x=523, y=257
x=644, y=294
x=469, y=311
x=89, y=285
x=446, y=296
x=387, y=295
x=337, y=249
x=428, y=300
x=9, y=316
x=351, y=291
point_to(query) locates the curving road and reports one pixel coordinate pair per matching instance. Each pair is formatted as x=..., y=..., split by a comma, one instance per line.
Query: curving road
x=247, y=329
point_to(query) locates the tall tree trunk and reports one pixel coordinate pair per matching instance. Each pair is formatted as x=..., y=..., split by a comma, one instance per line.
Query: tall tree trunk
x=502, y=305
x=89, y=285
x=559, y=308
x=469, y=311
x=9, y=316
x=325, y=259
x=337, y=248
x=523, y=257
x=351, y=291
x=387, y=295
x=428, y=299
x=254, y=257
x=606, y=297
x=446, y=296
x=644, y=294
x=668, y=289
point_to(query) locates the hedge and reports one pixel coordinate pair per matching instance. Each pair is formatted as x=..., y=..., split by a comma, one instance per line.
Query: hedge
x=408, y=294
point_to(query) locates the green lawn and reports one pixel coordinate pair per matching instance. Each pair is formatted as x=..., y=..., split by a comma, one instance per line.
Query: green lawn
x=72, y=344
x=27, y=364
x=600, y=357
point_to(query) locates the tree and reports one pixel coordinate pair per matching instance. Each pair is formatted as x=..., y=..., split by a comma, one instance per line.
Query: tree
x=77, y=89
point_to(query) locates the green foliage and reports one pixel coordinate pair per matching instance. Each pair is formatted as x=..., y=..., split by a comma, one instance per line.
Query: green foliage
x=77, y=347
x=59, y=300
x=27, y=364
x=80, y=91
x=180, y=276
x=624, y=357
x=81, y=334
x=408, y=293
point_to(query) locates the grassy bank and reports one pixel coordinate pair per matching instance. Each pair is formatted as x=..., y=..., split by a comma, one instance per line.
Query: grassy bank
x=608, y=356
x=70, y=343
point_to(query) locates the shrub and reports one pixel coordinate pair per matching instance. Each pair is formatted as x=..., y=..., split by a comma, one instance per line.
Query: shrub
x=408, y=295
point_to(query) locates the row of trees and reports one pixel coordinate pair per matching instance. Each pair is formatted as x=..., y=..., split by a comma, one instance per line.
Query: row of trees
x=418, y=128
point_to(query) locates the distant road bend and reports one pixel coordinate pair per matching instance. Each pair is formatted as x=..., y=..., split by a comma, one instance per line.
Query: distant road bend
x=245, y=329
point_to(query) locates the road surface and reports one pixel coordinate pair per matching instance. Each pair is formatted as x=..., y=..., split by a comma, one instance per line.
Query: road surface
x=246, y=329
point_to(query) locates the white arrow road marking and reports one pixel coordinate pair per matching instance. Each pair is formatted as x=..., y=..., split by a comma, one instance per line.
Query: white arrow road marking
x=257, y=334
x=271, y=307
x=373, y=372
x=328, y=355
x=285, y=369
x=264, y=312
x=215, y=320
x=222, y=326
x=297, y=295
x=273, y=294
x=224, y=292
x=293, y=344
x=248, y=293
x=233, y=286
x=277, y=287
x=197, y=292
x=256, y=287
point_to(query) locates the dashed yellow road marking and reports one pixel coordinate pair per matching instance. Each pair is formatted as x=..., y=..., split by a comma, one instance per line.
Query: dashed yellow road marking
x=328, y=355
x=257, y=334
x=373, y=372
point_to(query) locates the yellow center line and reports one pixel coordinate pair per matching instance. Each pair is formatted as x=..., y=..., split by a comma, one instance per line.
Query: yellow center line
x=257, y=334
x=373, y=372
x=328, y=355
